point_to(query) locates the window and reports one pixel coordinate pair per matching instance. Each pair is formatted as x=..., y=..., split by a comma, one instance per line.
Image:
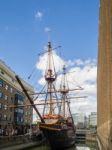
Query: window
x=12, y=99
x=18, y=110
x=0, y=106
x=17, y=119
x=19, y=99
x=6, y=97
x=6, y=87
x=12, y=80
x=20, y=102
x=0, y=116
x=5, y=117
x=2, y=72
x=21, y=120
x=10, y=118
x=1, y=83
x=1, y=94
x=5, y=107
x=11, y=89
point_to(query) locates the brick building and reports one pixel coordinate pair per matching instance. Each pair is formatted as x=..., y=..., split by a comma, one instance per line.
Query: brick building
x=104, y=75
x=10, y=95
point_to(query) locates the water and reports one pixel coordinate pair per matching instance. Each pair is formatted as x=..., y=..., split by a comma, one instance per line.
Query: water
x=80, y=146
x=74, y=148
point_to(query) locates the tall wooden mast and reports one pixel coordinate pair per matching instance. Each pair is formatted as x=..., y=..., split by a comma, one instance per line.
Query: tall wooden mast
x=64, y=89
x=50, y=76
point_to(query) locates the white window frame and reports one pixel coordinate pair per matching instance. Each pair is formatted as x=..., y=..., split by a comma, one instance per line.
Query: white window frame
x=6, y=87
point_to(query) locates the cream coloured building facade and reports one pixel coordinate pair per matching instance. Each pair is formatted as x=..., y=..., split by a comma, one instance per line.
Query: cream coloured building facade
x=12, y=95
x=104, y=76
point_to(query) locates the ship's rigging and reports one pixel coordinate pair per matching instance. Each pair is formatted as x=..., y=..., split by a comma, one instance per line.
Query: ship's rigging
x=49, y=93
x=56, y=119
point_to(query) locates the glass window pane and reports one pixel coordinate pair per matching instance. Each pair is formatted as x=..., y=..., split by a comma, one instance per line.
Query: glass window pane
x=0, y=105
x=1, y=82
x=11, y=89
x=6, y=87
x=6, y=97
x=5, y=107
x=1, y=94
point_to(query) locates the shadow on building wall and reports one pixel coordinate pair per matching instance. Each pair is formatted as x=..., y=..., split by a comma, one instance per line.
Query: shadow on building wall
x=110, y=138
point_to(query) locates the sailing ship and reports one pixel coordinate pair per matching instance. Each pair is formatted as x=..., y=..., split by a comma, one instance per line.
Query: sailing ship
x=56, y=121
x=58, y=128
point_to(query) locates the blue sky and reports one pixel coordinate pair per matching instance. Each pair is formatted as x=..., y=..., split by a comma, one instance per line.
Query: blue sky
x=73, y=25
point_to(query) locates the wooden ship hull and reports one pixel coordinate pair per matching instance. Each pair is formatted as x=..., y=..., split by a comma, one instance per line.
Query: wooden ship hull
x=60, y=136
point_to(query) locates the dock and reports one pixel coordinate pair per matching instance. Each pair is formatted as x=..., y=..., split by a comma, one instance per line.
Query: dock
x=85, y=135
x=19, y=142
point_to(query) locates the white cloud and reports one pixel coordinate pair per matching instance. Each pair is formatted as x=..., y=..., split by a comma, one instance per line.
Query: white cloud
x=79, y=62
x=83, y=73
x=84, y=76
x=47, y=29
x=38, y=15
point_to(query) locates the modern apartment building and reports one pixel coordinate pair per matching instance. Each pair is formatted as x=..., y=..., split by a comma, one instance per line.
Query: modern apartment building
x=79, y=120
x=11, y=95
x=93, y=119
